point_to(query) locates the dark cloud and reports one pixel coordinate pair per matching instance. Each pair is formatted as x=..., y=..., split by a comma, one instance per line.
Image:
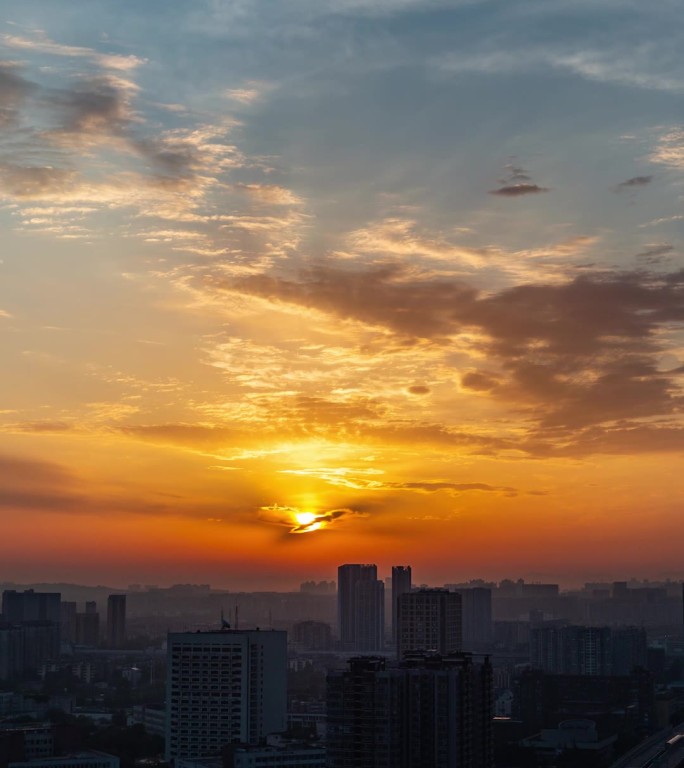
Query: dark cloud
x=653, y=254
x=323, y=519
x=14, y=90
x=419, y=389
x=34, y=181
x=299, y=521
x=517, y=183
x=635, y=181
x=95, y=106
x=479, y=381
x=570, y=355
x=517, y=190
x=30, y=484
x=377, y=296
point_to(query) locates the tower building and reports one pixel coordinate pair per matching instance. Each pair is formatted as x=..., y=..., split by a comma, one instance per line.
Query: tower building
x=223, y=687
x=116, y=621
x=360, y=608
x=429, y=620
x=432, y=711
x=401, y=584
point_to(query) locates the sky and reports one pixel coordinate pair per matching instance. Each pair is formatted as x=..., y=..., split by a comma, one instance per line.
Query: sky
x=285, y=285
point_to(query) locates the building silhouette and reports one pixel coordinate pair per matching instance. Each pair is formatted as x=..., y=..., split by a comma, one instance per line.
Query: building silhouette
x=360, y=608
x=223, y=687
x=401, y=584
x=429, y=620
x=18, y=607
x=88, y=626
x=30, y=633
x=477, y=618
x=116, y=621
x=432, y=711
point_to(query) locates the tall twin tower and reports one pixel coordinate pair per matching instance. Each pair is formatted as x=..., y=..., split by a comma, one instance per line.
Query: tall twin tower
x=423, y=619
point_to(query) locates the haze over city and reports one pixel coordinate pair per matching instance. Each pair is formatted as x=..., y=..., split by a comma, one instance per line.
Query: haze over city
x=289, y=285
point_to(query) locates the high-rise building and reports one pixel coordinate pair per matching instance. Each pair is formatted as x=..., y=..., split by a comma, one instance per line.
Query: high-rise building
x=36, y=618
x=360, y=608
x=11, y=651
x=401, y=584
x=477, y=617
x=88, y=626
x=312, y=636
x=429, y=620
x=18, y=607
x=116, y=621
x=432, y=711
x=223, y=687
x=572, y=650
x=67, y=612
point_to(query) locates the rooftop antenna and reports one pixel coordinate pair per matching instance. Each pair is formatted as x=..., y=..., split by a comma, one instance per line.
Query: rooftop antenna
x=236, y=617
x=224, y=624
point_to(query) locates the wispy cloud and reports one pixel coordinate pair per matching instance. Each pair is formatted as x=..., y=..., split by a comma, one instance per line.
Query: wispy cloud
x=41, y=43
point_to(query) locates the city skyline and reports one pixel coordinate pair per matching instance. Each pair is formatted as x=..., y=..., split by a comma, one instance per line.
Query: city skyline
x=362, y=281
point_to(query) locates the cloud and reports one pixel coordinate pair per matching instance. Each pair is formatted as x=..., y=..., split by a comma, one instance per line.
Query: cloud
x=653, y=254
x=419, y=389
x=455, y=488
x=305, y=521
x=42, y=44
x=517, y=183
x=270, y=193
x=584, y=351
x=518, y=190
x=35, y=182
x=479, y=381
x=14, y=90
x=635, y=181
x=39, y=427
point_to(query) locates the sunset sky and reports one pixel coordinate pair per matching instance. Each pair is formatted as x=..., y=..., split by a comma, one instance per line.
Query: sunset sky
x=291, y=283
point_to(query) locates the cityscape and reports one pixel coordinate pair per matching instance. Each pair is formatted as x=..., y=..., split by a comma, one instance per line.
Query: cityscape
x=341, y=384
x=355, y=671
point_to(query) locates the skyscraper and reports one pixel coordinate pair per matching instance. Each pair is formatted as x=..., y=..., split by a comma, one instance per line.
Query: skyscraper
x=18, y=607
x=360, y=608
x=477, y=617
x=433, y=711
x=429, y=620
x=116, y=621
x=572, y=650
x=401, y=584
x=223, y=687
x=38, y=617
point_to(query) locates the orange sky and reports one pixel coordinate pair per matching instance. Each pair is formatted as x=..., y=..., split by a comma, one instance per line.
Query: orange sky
x=422, y=281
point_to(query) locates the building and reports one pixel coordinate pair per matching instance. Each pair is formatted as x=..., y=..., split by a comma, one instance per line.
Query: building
x=116, y=621
x=401, y=584
x=361, y=608
x=429, y=620
x=11, y=651
x=432, y=711
x=223, y=687
x=67, y=612
x=31, y=620
x=83, y=759
x=152, y=716
x=477, y=617
x=312, y=636
x=577, y=650
x=264, y=756
x=18, y=607
x=88, y=627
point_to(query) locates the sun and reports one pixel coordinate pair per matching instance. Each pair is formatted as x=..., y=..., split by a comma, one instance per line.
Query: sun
x=305, y=518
